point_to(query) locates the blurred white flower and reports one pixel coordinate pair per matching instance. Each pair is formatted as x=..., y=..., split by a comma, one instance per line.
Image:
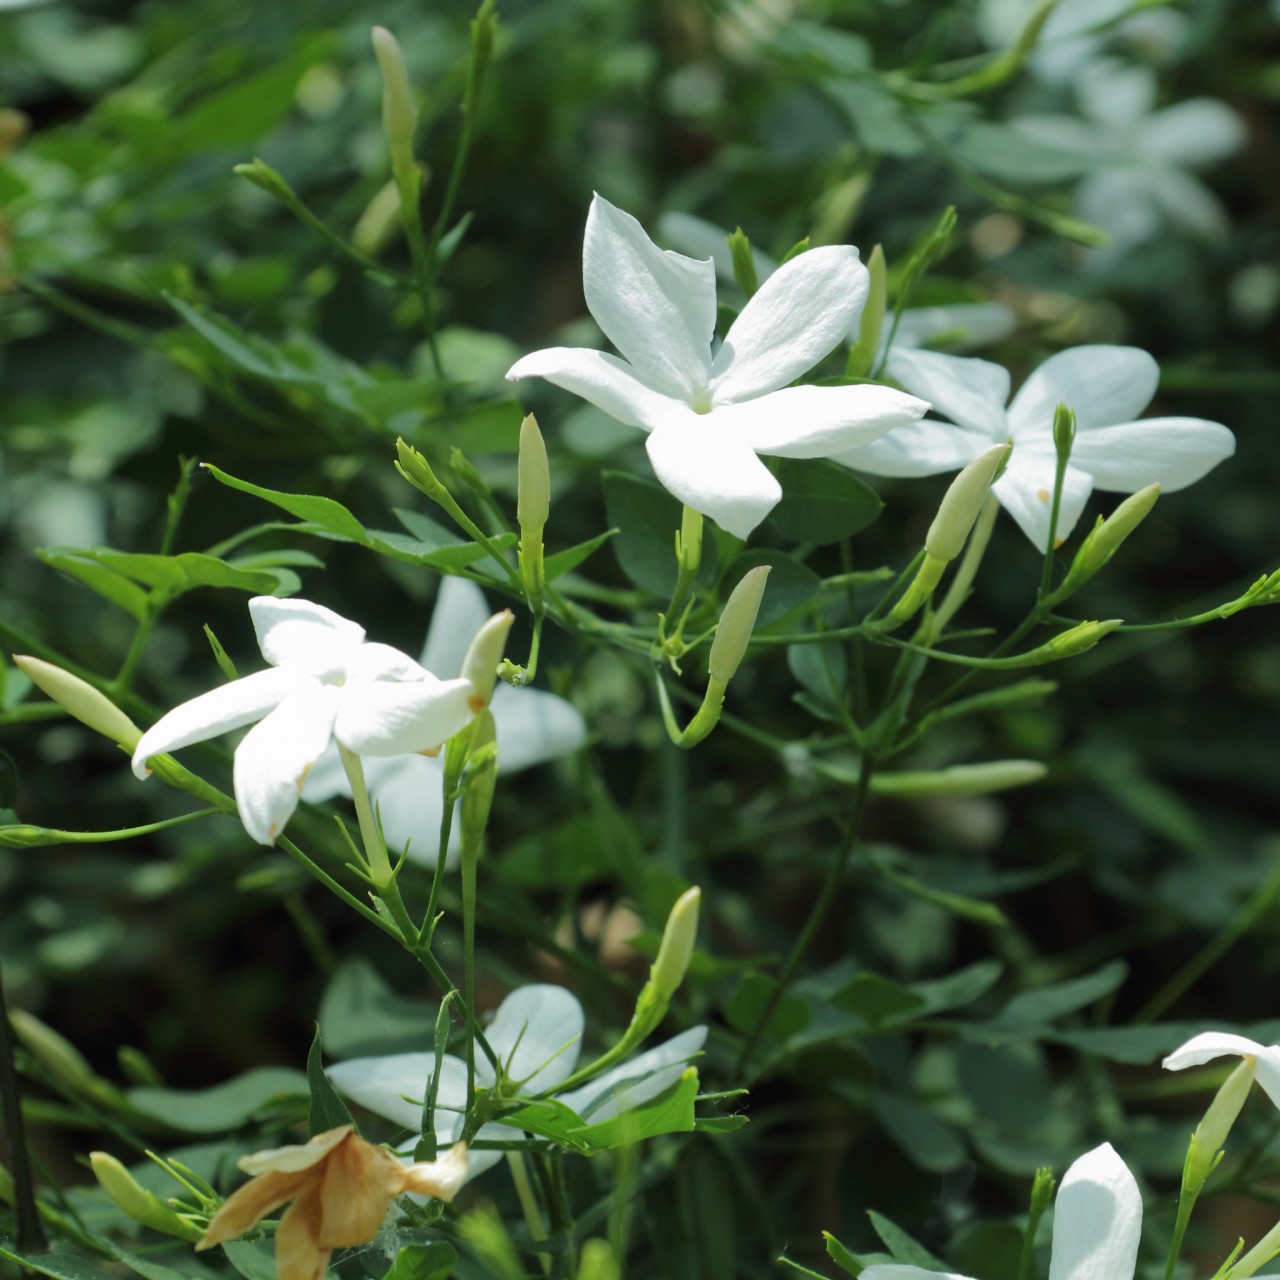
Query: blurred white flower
x=1145, y=179
x=325, y=684
x=536, y=1033
x=961, y=326
x=1097, y=1225
x=1106, y=386
x=532, y=727
x=710, y=417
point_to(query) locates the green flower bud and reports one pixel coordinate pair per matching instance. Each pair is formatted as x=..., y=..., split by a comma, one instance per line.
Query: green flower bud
x=399, y=112
x=733, y=633
x=57, y=1055
x=744, y=263
x=263, y=175
x=1107, y=535
x=689, y=541
x=1080, y=638
x=1258, y=1256
x=676, y=949
x=136, y=1201
x=961, y=779
x=596, y=1261
x=1064, y=431
x=871, y=322
x=478, y=783
x=961, y=503
x=415, y=469
x=480, y=666
x=533, y=485
x=80, y=699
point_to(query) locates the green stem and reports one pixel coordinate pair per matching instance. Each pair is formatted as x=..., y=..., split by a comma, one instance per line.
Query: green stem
x=1214, y=950
x=375, y=849
x=1186, y=1203
x=817, y=913
x=30, y=1237
x=469, y=861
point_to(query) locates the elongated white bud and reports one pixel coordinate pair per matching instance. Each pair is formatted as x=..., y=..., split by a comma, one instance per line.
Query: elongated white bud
x=729, y=645
x=533, y=486
x=480, y=666
x=80, y=699
x=399, y=112
x=962, y=503
x=676, y=949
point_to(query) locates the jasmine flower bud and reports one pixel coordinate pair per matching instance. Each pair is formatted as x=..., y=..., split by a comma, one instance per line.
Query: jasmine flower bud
x=676, y=949
x=80, y=699
x=1080, y=638
x=1107, y=535
x=962, y=502
x=416, y=470
x=399, y=112
x=1211, y=1133
x=533, y=486
x=871, y=321
x=1064, y=432
x=736, y=624
x=480, y=666
x=140, y=1204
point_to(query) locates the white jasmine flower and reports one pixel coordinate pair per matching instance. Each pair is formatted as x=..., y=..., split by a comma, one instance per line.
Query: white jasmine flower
x=1106, y=386
x=1203, y=1048
x=536, y=1033
x=709, y=417
x=960, y=326
x=1097, y=1225
x=325, y=684
x=531, y=726
x=1144, y=179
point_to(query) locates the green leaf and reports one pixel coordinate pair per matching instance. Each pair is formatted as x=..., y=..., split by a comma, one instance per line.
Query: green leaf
x=670, y=1112
x=570, y=558
x=925, y=1139
x=328, y=1111
x=822, y=501
x=247, y=351
x=877, y=999
x=822, y=669
x=329, y=518
x=1046, y=1005
x=360, y=1015
x=720, y=1124
x=549, y=1119
x=960, y=988
x=434, y=1260
x=846, y=1261
x=99, y=579
x=183, y=572
x=224, y=1106
x=254, y=1260
x=903, y=1247
x=747, y=1004
x=957, y=904
x=647, y=518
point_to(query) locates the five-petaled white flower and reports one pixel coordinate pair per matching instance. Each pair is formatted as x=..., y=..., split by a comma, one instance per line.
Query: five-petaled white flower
x=325, y=683
x=531, y=726
x=1106, y=386
x=1097, y=1224
x=536, y=1033
x=710, y=416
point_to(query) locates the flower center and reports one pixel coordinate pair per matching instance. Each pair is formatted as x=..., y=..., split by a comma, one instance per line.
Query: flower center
x=700, y=401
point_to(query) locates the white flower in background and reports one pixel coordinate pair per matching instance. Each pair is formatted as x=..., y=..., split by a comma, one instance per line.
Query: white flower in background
x=537, y=1033
x=1203, y=1048
x=1097, y=1225
x=1144, y=179
x=531, y=726
x=1077, y=31
x=961, y=326
x=1106, y=386
x=325, y=684
x=709, y=415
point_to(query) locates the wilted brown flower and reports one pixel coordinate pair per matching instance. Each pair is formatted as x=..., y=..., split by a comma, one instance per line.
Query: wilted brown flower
x=341, y=1187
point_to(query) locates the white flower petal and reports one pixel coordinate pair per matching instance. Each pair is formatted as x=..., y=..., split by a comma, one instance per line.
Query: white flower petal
x=795, y=318
x=657, y=308
x=1097, y=1220
x=699, y=238
x=273, y=760
x=971, y=392
x=604, y=380
x=1195, y=133
x=1101, y=384
x=922, y=448
x=409, y=798
x=220, y=710
x=715, y=473
x=637, y=1081
x=1118, y=95
x=460, y=611
x=537, y=1031
x=1188, y=204
x=328, y=776
x=297, y=633
x=1120, y=202
x=818, y=422
x=375, y=661
x=395, y=1086
x=1026, y=492
x=533, y=726
x=385, y=718
x=1174, y=451
x=960, y=325
x=1215, y=1044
